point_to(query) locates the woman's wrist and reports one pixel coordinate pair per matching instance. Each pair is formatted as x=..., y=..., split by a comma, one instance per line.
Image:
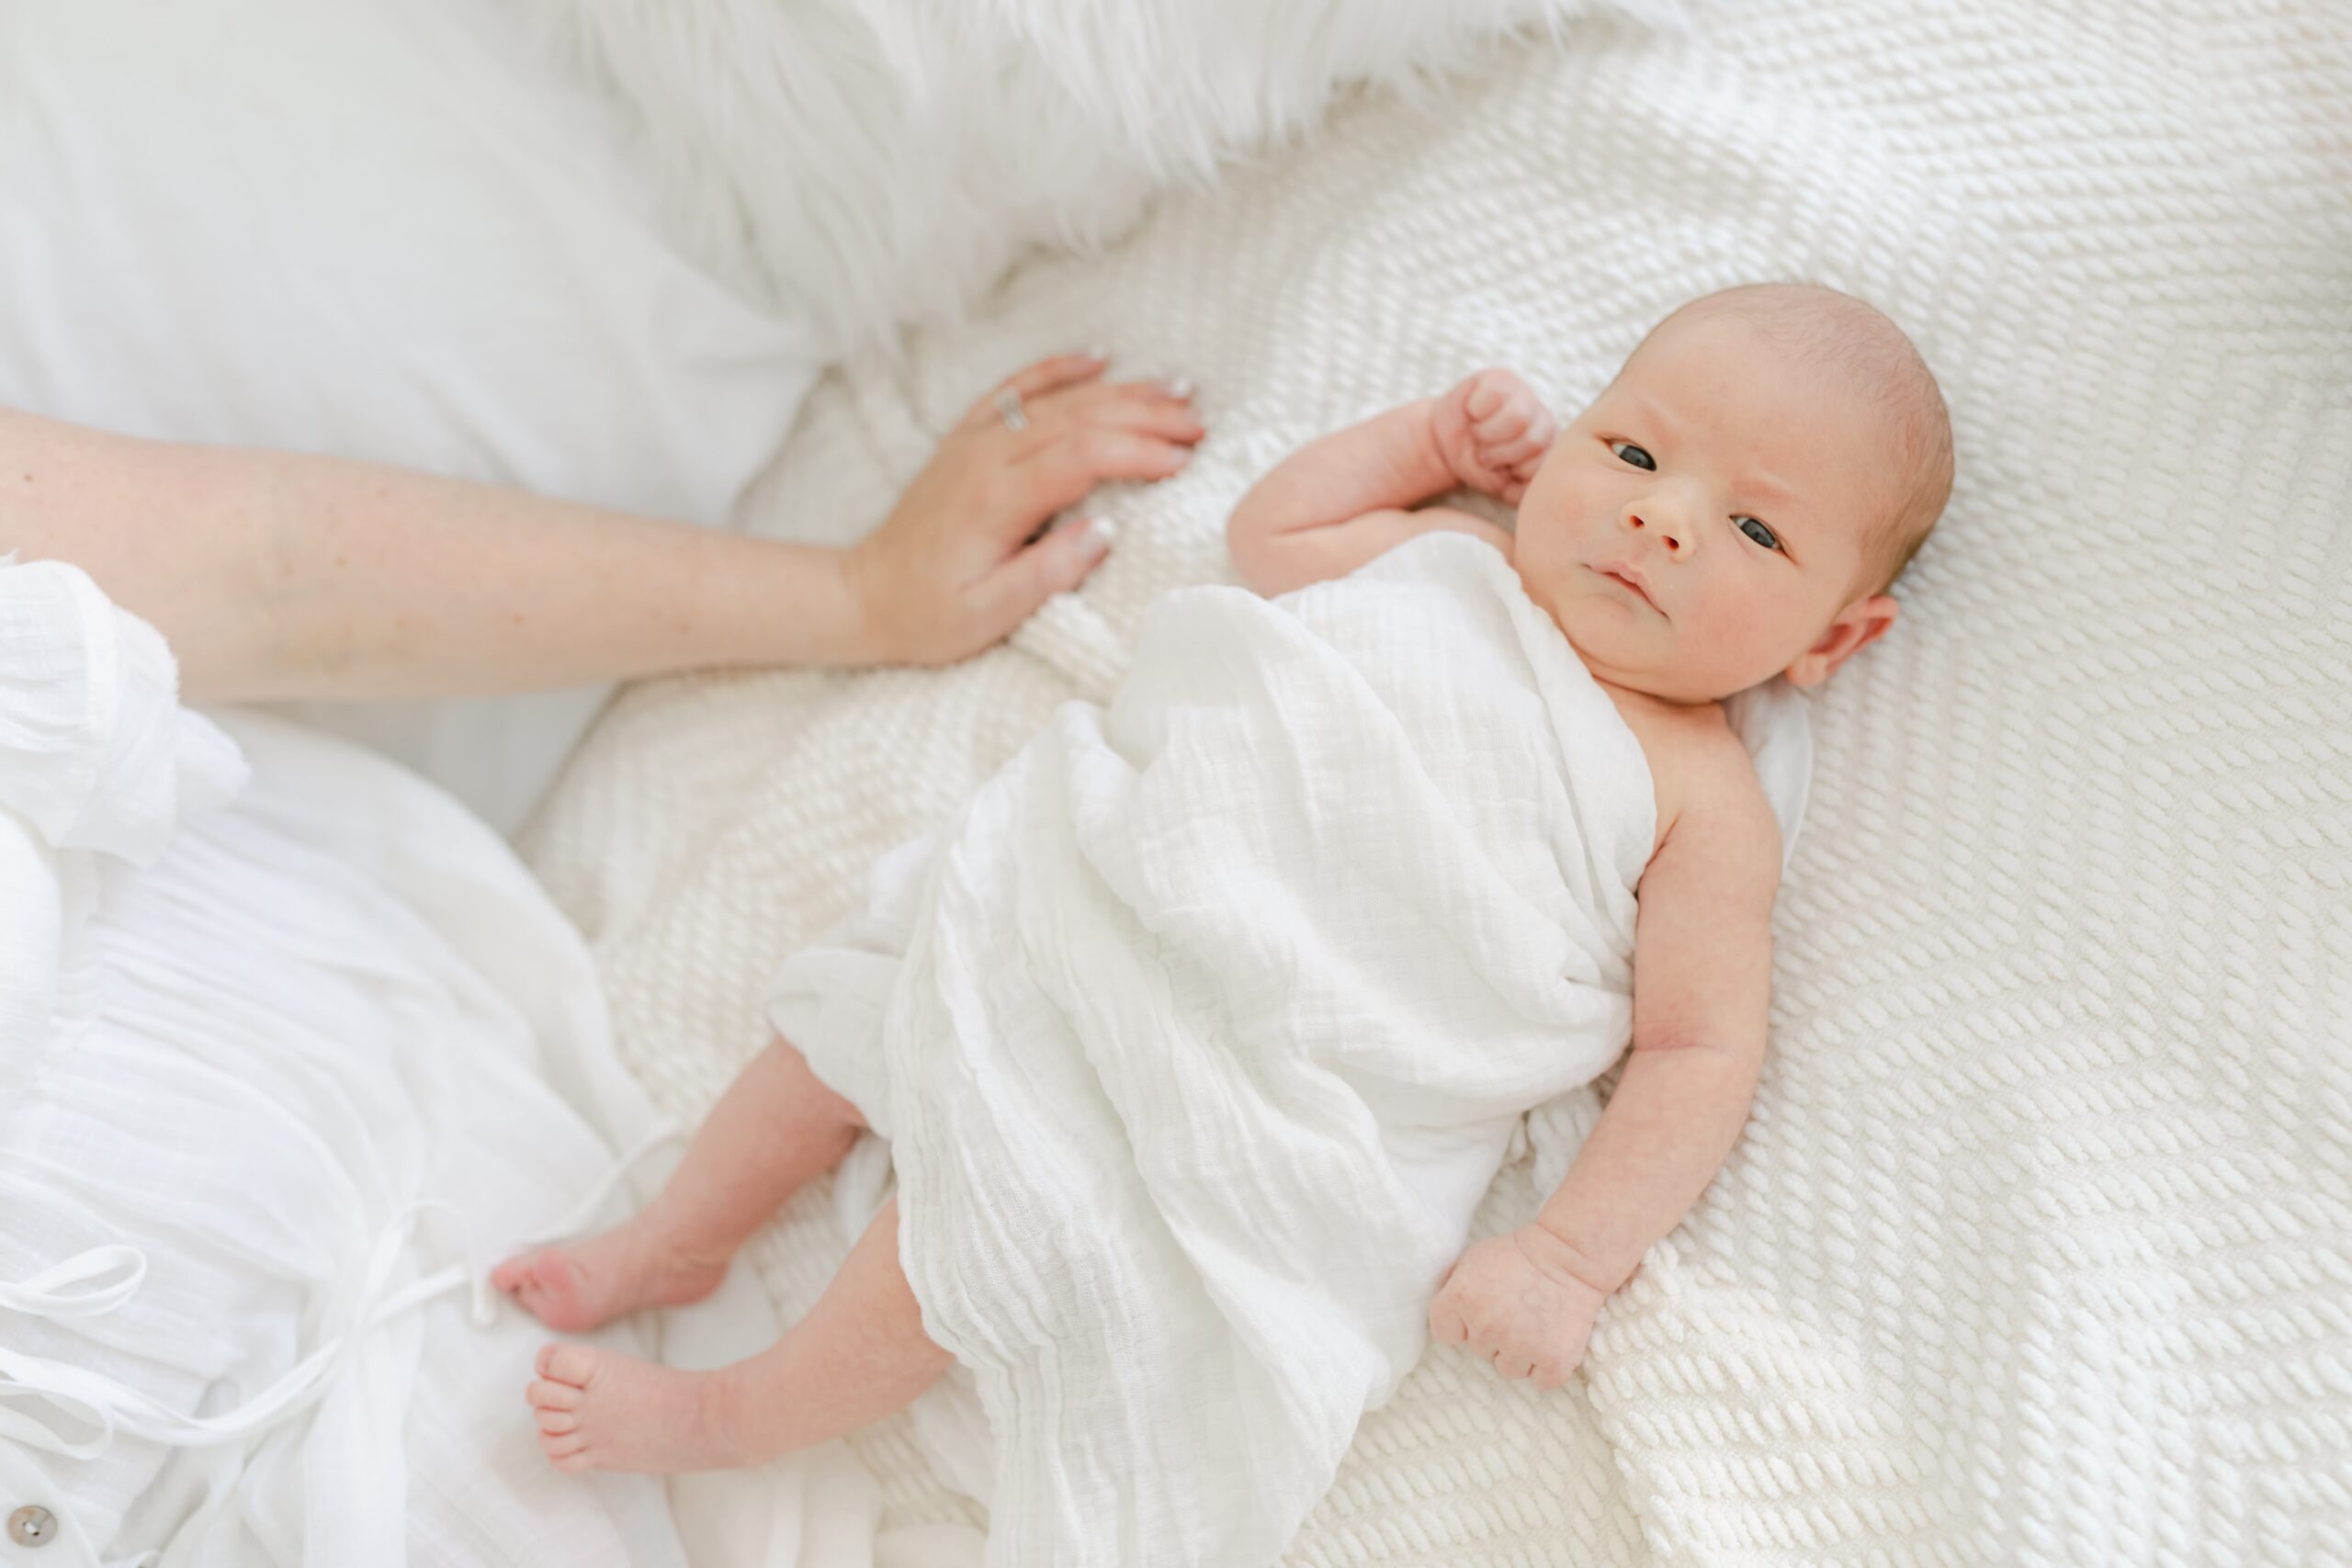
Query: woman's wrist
x=870, y=609
x=774, y=602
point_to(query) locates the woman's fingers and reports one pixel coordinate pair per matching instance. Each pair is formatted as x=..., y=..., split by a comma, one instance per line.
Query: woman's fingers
x=1048, y=376
x=1061, y=473
x=1139, y=406
x=1056, y=563
x=1038, y=381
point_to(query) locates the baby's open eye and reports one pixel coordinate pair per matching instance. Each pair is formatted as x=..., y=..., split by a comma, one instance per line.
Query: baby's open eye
x=1755, y=529
x=1631, y=454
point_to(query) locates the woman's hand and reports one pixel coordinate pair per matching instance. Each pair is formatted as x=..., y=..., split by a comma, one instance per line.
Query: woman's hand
x=288, y=576
x=958, y=564
x=1493, y=431
x=1514, y=1301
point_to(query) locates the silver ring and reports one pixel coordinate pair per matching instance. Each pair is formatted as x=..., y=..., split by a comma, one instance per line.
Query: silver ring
x=1007, y=408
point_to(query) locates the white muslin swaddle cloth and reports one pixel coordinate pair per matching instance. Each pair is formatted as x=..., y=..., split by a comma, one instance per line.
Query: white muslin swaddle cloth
x=1198, y=1038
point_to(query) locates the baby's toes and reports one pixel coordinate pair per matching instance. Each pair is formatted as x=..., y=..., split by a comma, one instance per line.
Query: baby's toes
x=547, y=1394
x=565, y=1451
x=555, y=1423
x=570, y=1365
x=573, y=1364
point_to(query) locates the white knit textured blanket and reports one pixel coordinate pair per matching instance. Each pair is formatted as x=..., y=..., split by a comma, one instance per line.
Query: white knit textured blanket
x=2035, y=1249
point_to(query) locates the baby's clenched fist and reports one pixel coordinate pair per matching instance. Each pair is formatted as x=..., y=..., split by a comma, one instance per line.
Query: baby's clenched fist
x=1511, y=1301
x=1493, y=432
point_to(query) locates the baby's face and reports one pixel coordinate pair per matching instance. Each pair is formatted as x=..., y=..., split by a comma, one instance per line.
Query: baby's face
x=1734, y=487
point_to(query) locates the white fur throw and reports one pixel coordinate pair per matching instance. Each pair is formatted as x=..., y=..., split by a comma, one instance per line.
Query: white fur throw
x=2035, y=1248
x=887, y=159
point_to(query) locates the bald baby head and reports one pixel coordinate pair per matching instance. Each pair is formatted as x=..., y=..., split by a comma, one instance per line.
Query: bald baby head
x=1841, y=336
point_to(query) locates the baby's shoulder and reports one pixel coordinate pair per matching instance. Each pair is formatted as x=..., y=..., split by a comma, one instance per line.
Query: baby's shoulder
x=1704, y=780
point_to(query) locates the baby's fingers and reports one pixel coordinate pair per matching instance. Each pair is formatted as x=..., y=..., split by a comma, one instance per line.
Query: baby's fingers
x=1511, y=1366
x=1483, y=396
x=1447, y=1326
x=1517, y=454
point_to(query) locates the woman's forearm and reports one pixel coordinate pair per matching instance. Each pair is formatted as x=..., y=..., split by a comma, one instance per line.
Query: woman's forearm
x=278, y=576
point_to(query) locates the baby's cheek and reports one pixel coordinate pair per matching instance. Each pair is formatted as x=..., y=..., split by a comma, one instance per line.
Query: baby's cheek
x=1543, y=577
x=1738, y=621
x=1744, y=633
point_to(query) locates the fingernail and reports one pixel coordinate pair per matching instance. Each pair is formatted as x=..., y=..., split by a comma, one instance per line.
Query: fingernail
x=1102, y=533
x=1178, y=386
x=1098, y=352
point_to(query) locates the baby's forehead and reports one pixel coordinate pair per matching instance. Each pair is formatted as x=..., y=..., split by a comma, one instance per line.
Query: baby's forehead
x=1796, y=426
x=1726, y=384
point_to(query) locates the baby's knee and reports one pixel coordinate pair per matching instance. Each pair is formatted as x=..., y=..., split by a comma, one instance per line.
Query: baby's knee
x=810, y=1091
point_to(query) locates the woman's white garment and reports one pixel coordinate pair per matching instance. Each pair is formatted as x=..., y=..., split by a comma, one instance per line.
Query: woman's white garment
x=1200, y=1036
x=272, y=1051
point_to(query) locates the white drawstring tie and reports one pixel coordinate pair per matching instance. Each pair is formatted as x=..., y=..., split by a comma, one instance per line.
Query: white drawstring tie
x=104, y=1279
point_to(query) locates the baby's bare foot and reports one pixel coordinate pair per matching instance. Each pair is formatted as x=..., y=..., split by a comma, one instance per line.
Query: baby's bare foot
x=584, y=1286
x=599, y=1409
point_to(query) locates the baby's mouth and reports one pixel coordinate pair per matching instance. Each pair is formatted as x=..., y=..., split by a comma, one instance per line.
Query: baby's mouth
x=1618, y=577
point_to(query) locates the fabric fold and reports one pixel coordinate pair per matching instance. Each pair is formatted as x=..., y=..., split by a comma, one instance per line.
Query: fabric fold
x=95, y=751
x=258, y=1027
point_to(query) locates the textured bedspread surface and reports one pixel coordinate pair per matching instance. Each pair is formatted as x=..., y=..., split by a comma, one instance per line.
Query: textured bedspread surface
x=2035, y=1249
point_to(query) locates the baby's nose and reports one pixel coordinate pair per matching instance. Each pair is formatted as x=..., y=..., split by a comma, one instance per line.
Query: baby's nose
x=1668, y=536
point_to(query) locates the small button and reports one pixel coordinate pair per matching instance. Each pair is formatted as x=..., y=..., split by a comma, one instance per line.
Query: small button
x=32, y=1525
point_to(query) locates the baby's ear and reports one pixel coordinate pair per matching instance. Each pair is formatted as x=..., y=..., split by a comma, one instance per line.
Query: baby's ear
x=1856, y=627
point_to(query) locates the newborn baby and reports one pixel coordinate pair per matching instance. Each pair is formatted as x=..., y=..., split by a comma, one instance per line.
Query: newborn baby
x=1200, y=1036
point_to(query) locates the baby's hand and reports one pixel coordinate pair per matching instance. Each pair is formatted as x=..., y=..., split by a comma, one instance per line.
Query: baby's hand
x=1493, y=431
x=1511, y=1299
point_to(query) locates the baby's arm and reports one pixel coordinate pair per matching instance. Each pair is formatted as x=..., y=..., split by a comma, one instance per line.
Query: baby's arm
x=1343, y=501
x=1701, y=987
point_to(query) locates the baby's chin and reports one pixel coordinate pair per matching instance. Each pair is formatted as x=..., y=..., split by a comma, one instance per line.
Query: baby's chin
x=1597, y=634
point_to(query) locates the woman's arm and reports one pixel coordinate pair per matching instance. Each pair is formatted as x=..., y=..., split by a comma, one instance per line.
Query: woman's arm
x=1352, y=497
x=278, y=576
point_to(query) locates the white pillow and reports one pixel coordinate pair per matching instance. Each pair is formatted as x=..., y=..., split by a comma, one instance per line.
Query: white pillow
x=380, y=230
x=893, y=158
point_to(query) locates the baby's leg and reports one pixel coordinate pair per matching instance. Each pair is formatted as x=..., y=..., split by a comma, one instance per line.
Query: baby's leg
x=858, y=1356
x=775, y=1128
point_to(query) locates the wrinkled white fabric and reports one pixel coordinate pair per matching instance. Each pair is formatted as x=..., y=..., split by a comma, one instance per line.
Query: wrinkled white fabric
x=96, y=760
x=1215, y=1013
x=290, y=1054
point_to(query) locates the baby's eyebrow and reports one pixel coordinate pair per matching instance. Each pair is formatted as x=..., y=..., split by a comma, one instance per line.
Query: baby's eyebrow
x=1769, y=489
x=1657, y=414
